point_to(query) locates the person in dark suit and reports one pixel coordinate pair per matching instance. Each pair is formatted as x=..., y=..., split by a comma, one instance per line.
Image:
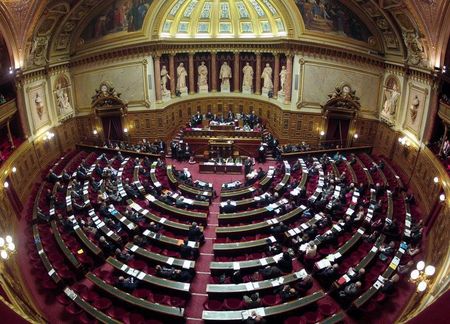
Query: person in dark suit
x=236, y=277
x=270, y=272
x=195, y=233
x=252, y=301
x=304, y=285
x=285, y=263
x=228, y=207
x=52, y=176
x=127, y=284
x=288, y=293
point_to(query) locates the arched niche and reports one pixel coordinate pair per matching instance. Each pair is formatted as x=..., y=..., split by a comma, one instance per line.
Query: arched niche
x=340, y=113
x=110, y=111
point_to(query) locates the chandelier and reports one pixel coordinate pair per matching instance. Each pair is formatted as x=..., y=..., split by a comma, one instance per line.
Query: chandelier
x=421, y=276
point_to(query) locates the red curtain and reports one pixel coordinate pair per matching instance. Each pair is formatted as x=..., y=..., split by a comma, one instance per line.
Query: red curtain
x=13, y=198
x=112, y=128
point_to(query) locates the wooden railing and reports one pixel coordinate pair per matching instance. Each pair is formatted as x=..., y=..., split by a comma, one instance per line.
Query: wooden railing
x=7, y=110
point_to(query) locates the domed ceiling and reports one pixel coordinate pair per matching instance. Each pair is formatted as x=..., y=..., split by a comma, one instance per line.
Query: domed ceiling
x=415, y=31
x=223, y=19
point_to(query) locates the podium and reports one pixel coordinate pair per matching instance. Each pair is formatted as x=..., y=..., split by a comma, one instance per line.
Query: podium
x=223, y=148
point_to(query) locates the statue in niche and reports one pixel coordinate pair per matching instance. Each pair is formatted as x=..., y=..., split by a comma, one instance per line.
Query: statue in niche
x=414, y=108
x=39, y=105
x=164, y=78
x=283, y=77
x=225, y=74
x=62, y=100
x=267, y=77
x=202, y=77
x=391, y=95
x=247, y=82
x=181, y=81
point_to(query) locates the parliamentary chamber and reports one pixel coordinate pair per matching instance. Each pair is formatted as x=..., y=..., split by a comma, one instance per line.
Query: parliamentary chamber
x=344, y=72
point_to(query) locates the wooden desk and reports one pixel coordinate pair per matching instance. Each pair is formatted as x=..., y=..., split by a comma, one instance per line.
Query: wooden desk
x=147, y=278
x=240, y=230
x=259, y=212
x=268, y=311
x=88, y=308
x=159, y=258
x=174, y=226
x=184, y=214
x=335, y=318
x=287, y=175
x=212, y=167
x=94, y=148
x=131, y=300
x=250, y=287
x=62, y=245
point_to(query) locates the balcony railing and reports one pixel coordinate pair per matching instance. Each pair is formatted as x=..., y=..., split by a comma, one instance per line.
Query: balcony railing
x=7, y=110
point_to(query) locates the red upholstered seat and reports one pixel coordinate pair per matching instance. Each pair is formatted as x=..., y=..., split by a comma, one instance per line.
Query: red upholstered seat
x=177, y=301
x=295, y=320
x=73, y=309
x=135, y=318
x=233, y=303
x=85, y=318
x=89, y=295
x=79, y=288
x=327, y=309
x=63, y=299
x=117, y=313
x=140, y=293
x=160, y=299
x=213, y=305
x=102, y=303
x=270, y=300
x=312, y=317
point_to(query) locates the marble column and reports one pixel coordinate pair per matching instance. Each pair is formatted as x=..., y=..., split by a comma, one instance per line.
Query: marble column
x=173, y=80
x=191, y=74
x=276, y=77
x=432, y=113
x=236, y=73
x=21, y=108
x=11, y=141
x=288, y=86
x=158, y=78
x=258, y=74
x=213, y=72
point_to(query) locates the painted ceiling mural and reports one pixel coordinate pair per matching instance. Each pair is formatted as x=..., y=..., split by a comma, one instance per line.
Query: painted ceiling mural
x=331, y=16
x=44, y=31
x=122, y=15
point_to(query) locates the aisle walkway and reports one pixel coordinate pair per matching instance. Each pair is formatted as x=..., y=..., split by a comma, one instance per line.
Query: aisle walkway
x=194, y=307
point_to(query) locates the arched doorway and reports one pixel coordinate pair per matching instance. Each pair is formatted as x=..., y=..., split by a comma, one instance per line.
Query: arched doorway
x=110, y=109
x=340, y=113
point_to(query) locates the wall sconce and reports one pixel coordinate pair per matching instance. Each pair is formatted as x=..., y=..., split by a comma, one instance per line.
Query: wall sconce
x=48, y=136
x=436, y=180
x=11, y=71
x=14, y=169
x=7, y=247
x=356, y=136
x=322, y=133
x=442, y=197
x=125, y=130
x=6, y=185
x=444, y=69
x=404, y=142
x=95, y=132
x=421, y=276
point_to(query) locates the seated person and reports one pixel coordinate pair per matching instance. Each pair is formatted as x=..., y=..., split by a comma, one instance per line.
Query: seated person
x=165, y=272
x=285, y=263
x=255, y=318
x=288, y=293
x=228, y=207
x=140, y=240
x=304, y=285
x=253, y=301
x=195, y=233
x=108, y=247
x=270, y=272
x=52, y=176
x=123, y=255
x=236, y=277
x=127, y=284
x=350, y=291
x=183, y=275
x=389, y=284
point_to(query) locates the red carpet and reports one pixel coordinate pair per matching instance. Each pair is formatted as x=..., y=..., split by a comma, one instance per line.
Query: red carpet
x=194, y=308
